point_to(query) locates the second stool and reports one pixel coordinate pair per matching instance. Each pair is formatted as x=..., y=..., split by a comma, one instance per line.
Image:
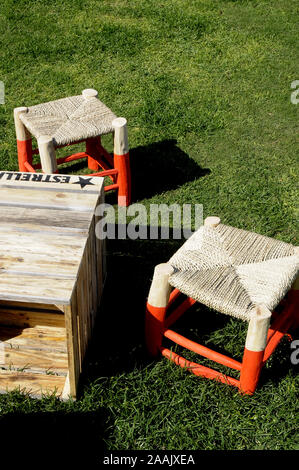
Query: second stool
x=238, y=273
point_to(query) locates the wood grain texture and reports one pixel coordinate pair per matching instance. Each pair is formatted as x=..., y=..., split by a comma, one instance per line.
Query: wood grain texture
x=73, y=346
x=34, y=384
x=35, y=219
x=44, y=224
x=51, y=272
x=39, y=345
x=39, y=338
x=28, y=306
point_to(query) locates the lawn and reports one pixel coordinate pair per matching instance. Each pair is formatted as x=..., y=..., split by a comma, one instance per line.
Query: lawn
x=206, y=88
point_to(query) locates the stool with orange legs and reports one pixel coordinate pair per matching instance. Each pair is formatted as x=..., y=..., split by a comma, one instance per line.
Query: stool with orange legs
x=237, y=273
x=69, y=121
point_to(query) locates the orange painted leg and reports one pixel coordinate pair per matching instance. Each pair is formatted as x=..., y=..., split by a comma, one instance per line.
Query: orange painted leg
x=255, y=345
x=154, y=323
x=251, y=369
x=24, y=153
x=24, y=141
x=157, y=304
x=122, y=164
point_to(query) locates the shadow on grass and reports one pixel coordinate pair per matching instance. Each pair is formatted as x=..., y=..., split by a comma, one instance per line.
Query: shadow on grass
x=54, y=436
x=118, y=340
x=155, y=168
x=279, y=365
x=160, y=167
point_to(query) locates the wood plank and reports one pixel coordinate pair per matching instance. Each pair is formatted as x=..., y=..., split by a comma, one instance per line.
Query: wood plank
x=42, y=219
x=29, y=318
x=74, y=365
x=28, y=306
x=83, y=305
x=59, y=246
x=41, y=348
x=49, y=199
x=38, y=263
x=93, y=273
x=33, y=383
x=34, y=338
x=35, y=289
x=96, y=267
x=26, y=358
x=87, y=300
x=80, y=308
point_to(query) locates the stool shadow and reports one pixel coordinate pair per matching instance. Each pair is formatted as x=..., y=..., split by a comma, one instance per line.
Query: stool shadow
x=155, y=168
x=117, y=344
x=279, y=365
x=161, y=166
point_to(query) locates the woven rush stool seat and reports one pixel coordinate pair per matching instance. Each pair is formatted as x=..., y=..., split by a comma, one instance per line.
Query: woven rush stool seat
x=238, y=273
x=71, y=120
x=234, y=271
x=68, y=120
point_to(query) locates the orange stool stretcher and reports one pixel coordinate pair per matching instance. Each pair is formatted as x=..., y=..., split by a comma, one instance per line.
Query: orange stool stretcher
x=70, y=121
x=238, y=273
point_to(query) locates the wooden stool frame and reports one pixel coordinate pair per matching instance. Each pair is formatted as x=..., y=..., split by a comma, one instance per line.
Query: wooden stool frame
x=262, y=337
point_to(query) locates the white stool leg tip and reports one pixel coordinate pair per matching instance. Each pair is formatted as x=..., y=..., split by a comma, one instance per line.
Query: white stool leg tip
x=212, y=221
x=164, y=269
x=89, y=93
x=47, y=154
x=160, y=288
x=21, y=132
x=119, y=122
x=21, y=109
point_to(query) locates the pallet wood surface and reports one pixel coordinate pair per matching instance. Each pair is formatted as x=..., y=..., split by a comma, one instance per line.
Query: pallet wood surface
x=32, y=383
x=51, y=277
x=44, y=225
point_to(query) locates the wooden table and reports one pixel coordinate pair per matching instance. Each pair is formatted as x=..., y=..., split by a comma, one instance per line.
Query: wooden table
x=52, y=268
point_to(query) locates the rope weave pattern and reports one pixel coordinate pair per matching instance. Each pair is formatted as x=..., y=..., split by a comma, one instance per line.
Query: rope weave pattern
x=69, y=119
x=233, y=270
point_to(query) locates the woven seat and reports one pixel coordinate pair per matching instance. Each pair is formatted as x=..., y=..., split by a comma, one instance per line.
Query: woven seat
x=234, y=271
x=237, y=273
x=69, y=119
x=73, y=120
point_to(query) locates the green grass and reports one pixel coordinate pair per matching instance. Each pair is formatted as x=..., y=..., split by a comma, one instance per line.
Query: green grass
x=205, y=86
